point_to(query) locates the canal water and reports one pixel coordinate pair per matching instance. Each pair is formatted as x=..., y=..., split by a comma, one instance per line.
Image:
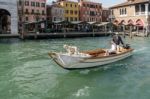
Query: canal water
x=27, y=72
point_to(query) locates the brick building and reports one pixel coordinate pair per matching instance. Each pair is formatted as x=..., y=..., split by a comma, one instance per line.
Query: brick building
x=90, y=11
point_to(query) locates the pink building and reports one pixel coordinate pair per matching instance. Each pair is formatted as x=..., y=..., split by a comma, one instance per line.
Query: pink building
x=32, y=10
x=90, y=11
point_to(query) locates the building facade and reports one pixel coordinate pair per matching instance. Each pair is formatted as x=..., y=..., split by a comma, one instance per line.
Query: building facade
x=105, y=15
x=132, y=12
x=55, y=13
x=8, y=16
x=32, y=10
x=90, y=11
x=71, y=10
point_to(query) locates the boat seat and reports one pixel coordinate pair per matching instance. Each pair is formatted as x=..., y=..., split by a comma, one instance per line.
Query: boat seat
x=95, y=52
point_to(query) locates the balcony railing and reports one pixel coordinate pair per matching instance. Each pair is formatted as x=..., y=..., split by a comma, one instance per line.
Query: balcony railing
x=140, y=13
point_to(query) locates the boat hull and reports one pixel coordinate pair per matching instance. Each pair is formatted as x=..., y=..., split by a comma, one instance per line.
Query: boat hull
x=74, y=62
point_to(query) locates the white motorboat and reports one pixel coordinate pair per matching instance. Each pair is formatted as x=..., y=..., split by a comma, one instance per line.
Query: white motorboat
x=88, y=59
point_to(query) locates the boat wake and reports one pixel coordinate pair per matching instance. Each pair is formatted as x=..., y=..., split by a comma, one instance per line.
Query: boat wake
x=85, y=72
x=141, y=49
x=82, y=92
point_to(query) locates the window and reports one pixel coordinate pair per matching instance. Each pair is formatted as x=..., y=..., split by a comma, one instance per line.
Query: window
x=67, y=11
x=19, y=11
x=76, y=19
x=75, y=5
x=112, y=12
x=92, y=13
x=54, y=18
x=37, y=12
x=100, y=7
x=67, y=19
x=66, y=4
x=120, y=11
x=96, y=6
x=70, y=5
x=43, y=12
x=37, y=4
x=33, y=4
x=149, y=8
x=76, y=12
x=92, y=6
x=84, y=5
x=32, y=11
x=71, y=12
x=27, y=18
x=88, y=5
x=20, y=2
x=123, y=11
x=27, y=11
x=71, y=18
x=137, y=8
x=61, y=11
x=142, y=8
x=26, y=3
x=43, y=5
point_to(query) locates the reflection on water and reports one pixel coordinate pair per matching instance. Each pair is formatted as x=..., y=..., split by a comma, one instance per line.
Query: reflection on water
x=26, y=71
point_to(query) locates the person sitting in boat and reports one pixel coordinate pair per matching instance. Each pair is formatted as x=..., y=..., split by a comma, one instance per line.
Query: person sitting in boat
x=112, y=50
x=117, y=40
x=72, y=50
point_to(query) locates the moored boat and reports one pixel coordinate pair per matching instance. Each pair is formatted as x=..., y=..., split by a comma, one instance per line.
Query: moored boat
x=89, y=59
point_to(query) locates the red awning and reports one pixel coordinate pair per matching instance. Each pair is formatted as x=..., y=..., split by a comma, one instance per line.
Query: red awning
x=130, y=22
x=139, y=23
x=122, y=22
x=116, y=22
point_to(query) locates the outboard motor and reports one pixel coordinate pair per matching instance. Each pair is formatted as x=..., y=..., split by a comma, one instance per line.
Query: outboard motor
x=126, y=46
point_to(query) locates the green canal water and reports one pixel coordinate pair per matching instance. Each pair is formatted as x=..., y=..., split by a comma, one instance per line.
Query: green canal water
x=27, y=72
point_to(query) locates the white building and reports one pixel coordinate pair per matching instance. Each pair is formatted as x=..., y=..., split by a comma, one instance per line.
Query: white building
x=8, y=16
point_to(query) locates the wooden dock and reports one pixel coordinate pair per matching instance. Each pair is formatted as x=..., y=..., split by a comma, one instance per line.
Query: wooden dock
x=54, y=35
x=9, y=35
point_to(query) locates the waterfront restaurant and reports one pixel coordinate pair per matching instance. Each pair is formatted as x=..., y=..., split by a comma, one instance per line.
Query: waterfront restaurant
x=135, y=13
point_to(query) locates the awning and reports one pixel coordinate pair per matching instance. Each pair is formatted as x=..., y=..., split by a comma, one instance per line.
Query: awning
x=61, y=22
x=34, y=22
x=139, y=23
x=93, y=23
x=122, y=23
x=130, y=23
x=116, y=22
x=76, y=22
x=103, y=24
